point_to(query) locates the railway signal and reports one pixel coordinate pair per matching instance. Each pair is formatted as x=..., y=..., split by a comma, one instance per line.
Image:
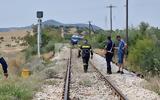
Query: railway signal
x=39, y=16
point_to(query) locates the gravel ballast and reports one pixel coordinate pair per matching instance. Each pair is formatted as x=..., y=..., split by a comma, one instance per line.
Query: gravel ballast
x=130, y=85
x=87, y=86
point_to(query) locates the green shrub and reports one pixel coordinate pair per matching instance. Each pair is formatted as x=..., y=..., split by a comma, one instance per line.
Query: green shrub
x=49, y=47
x=50, y=36
x=15, y=91
x=51, y=73
x=144, y=57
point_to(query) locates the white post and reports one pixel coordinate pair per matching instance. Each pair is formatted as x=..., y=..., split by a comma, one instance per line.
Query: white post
x=38, y=37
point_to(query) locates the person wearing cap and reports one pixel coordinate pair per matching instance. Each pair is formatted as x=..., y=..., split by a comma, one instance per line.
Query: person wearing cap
x=109, y=48
x=86, y=52
x=121, y=51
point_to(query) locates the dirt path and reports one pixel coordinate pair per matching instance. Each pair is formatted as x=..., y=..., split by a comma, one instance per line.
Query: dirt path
x=87, y=86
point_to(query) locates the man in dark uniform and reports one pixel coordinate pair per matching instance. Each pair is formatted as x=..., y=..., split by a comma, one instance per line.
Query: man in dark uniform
x=4, y=66
x=109, y=53
x=85, y=51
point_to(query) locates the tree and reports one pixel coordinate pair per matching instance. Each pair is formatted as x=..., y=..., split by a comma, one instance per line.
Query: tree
x=143, y=27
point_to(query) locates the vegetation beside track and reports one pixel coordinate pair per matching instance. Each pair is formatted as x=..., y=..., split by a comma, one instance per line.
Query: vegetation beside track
x=143, y=53
x=143, y=57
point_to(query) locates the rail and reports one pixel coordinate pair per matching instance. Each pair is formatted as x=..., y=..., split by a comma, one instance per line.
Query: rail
x=114, y=89
x=67, y=79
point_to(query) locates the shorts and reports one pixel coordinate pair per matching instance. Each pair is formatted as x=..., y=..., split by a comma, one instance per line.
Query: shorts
x=120, y=58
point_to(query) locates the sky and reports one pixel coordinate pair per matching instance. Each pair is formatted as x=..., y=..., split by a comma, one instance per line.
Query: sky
x=19, y=13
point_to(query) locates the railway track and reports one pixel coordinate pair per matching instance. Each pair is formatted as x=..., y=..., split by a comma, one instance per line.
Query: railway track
x=66, y=92
x=116, y=91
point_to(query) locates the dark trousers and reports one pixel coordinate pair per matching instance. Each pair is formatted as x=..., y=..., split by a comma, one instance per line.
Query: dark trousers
x=85, y=63
x=108, y=60
x=4, y=65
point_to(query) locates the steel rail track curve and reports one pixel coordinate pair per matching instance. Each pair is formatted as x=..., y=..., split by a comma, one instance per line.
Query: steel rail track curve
x=114, y=89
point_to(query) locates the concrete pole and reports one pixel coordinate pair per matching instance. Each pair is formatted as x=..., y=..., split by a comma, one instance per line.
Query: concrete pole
x=111, y=20
x=110, y=7
x=38, y=37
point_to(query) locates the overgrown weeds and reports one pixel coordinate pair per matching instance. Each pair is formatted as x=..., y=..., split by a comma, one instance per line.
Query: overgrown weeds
x=153, y=84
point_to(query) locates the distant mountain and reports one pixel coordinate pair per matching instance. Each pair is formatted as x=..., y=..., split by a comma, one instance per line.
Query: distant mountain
x=50, y=23
x=84, y=26
x=4, y=29
x=56, y=23
x=14, y=28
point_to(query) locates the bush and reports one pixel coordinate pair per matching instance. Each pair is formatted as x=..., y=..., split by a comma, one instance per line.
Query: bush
x=49, y=47
x=97, y=40
x=50, y=73
x=144, y=57
x=16, y=88
x=12, y=91
x=30, y=51
x=50, y=36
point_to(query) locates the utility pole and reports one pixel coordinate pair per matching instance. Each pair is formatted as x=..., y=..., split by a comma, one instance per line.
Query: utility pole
x=39, y=16
x=89, y=27
x=127, y=21
x=110, y=7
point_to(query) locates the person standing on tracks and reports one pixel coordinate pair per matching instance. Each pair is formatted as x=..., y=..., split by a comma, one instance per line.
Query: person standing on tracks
x=109, y=48
x=121, y=51
x=85, y=51
x=4, y=66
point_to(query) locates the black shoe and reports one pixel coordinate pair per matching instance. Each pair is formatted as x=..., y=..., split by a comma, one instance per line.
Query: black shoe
x=85, y=70
x=109, y=72
x=122, y=72
x=118, y=71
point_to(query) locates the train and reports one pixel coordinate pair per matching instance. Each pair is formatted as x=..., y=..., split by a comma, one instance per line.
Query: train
x=75, y=39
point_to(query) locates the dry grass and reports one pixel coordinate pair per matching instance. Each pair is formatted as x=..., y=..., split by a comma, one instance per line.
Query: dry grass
x=48, y=56
x=12, y=40
x=153, y=84
x=85, y=82
x=51, y=82
x=15, y=64
x=100, y=51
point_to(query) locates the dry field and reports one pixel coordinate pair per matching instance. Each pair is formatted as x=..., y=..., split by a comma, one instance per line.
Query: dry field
x=13, y=40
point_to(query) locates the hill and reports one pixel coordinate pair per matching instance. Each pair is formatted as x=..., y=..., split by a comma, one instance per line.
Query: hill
x=50, y=23
x=56, y=23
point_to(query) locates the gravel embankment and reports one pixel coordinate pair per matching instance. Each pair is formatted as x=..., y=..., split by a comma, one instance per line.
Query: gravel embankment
x=130, y=85
x=87, y=86
x=53, y=87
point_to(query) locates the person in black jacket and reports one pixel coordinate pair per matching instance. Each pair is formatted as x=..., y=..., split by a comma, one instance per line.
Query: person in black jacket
x=109, y=53
x=85, y=51
x=4, y=66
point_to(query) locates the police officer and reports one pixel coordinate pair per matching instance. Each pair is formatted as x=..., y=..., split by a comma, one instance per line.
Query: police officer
x=109, y=53
x=4, y=66
x=85, y=51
